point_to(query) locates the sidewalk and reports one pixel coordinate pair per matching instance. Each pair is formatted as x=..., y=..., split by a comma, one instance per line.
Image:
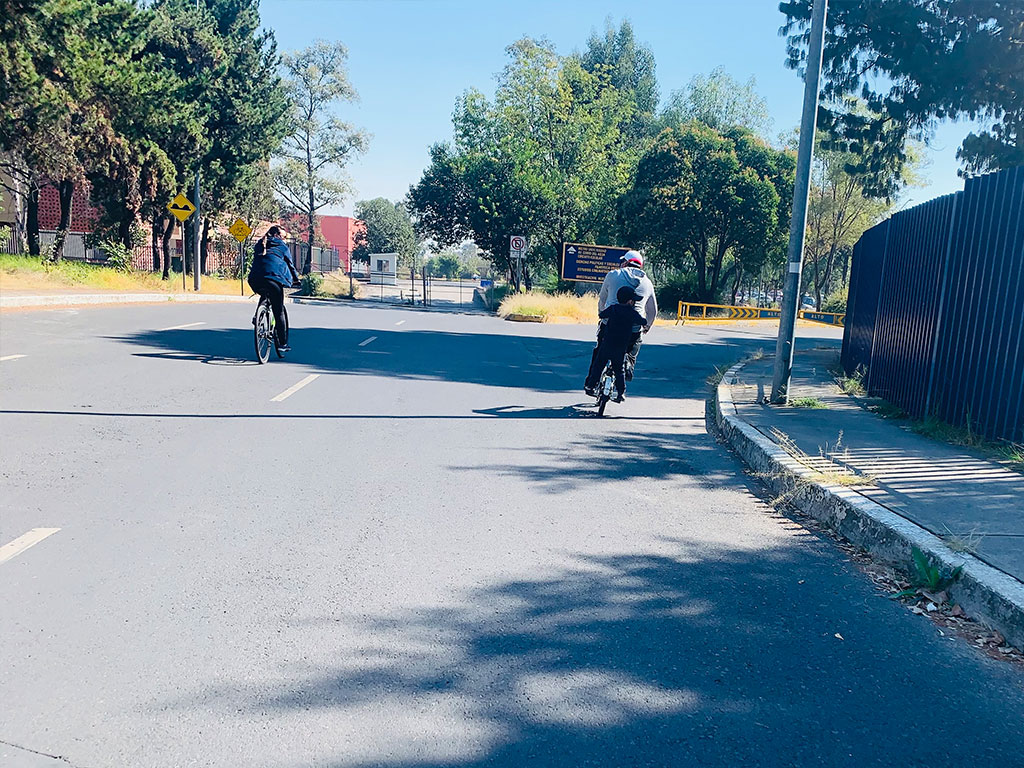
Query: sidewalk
x=960, y=510
x=944, y=489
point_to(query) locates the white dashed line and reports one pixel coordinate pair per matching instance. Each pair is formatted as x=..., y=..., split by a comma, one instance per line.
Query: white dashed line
x=10, y=357
x=179, y=327
x=367, y=341
x=294, y=388
x=20, y=544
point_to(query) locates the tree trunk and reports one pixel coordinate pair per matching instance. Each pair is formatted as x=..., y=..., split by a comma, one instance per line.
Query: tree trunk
x=32, y=219
x=154, y=241
x=65, y=194
x=204, y=245
x=168, y=234
x=124, y=230
x=307, y=264
x=736, y=282
x=817, y=287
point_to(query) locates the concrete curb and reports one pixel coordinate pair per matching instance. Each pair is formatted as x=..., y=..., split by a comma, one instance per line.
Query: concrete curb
x=78, y=299
x=518, y=318
x=985, y=593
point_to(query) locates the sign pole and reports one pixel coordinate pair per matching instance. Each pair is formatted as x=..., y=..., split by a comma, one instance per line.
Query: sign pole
x=184, y=286
x=241, y=266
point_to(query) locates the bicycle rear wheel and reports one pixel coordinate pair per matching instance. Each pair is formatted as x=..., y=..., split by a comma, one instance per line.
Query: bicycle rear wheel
x=284, y=319
x=262, y=332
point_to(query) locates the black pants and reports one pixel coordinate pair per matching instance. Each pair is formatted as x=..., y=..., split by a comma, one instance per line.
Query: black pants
x=275, y=293
x=597, y=363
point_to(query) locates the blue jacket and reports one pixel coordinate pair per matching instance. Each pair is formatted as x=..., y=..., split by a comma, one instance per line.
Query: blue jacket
x=273, y=263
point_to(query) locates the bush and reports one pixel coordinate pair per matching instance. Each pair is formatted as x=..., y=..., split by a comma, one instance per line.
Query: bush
x=311, y=285
x=551, y=306
x=679, y=287
x=118, y=256
x=835, y=303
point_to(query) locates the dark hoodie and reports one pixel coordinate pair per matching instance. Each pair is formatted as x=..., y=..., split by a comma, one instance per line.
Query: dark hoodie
x=273, y=262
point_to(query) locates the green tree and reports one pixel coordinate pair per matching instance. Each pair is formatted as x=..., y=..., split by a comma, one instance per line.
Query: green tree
x=388, y=229
x=720, y=101
x=448, y=266
x=307, y=175
x=248, y=115
x=700, y=196
x=915, y=62
x=547, y=159
x=838, y=213
x=630, y=70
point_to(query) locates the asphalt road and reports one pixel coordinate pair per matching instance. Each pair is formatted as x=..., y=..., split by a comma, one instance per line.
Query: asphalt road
x=431, y=554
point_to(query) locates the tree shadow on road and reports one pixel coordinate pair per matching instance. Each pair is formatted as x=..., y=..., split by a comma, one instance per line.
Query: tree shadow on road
x=539, y=363
x=686, y=655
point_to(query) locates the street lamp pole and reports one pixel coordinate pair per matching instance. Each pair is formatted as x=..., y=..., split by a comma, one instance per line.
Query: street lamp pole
x=798, y=224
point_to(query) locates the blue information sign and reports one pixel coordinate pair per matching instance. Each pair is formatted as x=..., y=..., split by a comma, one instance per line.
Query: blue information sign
x=589, y=263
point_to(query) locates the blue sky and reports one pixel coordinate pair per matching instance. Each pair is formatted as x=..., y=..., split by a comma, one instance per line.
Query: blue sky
x=411, y=59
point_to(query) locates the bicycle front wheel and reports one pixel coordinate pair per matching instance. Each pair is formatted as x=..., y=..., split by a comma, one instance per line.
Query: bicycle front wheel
x=263, y=332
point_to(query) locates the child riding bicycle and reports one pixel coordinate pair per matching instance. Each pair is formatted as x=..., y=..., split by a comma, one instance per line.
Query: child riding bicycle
x=622, y=328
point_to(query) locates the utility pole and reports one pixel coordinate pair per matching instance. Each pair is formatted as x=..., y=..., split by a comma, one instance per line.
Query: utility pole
x=798, y=224
x=197, y=260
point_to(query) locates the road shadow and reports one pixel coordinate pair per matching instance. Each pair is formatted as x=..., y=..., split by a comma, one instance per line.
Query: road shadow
x=620, y=460
x=539, y=363
x=689, y=656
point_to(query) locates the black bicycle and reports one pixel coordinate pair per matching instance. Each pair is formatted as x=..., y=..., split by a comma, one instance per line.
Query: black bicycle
x=264, y=330
x=605, y=388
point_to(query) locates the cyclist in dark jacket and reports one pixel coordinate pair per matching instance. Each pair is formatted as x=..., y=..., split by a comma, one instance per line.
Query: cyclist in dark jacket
x=272, y=271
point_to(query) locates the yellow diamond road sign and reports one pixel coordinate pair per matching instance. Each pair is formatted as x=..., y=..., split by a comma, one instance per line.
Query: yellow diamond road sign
x=240, y=230
x=181, y=207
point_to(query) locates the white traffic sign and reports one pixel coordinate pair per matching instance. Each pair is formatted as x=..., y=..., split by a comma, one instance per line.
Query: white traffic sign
x=517, y=246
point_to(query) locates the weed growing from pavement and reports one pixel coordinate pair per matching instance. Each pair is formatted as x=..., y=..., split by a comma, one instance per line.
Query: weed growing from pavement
x=852, y=385
x=962, y=542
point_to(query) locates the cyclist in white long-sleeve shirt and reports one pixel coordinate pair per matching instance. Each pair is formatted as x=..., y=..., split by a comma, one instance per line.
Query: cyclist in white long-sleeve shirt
x=630, y=273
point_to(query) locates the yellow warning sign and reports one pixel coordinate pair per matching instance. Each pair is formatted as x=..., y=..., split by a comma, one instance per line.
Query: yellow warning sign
x=240, y=230
x=181, y=207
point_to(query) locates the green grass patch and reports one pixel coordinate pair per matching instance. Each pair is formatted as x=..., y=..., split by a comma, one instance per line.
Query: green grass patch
x=807, y=402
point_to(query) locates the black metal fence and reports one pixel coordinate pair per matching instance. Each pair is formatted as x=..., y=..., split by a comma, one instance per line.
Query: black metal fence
x=935, y=315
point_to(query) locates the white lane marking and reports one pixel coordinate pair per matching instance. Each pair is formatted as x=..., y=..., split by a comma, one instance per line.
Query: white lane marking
x=10, y=357
x=367, y=341
x=179, y=327
x=400, y=322
x=294, y=388
x=20, y=544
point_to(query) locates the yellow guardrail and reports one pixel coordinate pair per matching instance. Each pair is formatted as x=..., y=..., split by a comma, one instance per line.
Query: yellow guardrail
x=689, y=311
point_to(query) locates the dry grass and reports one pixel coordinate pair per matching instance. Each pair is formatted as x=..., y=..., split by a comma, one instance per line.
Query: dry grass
x=553, y=307
x=829, y=466
x=338, y=285
x=24, y=273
